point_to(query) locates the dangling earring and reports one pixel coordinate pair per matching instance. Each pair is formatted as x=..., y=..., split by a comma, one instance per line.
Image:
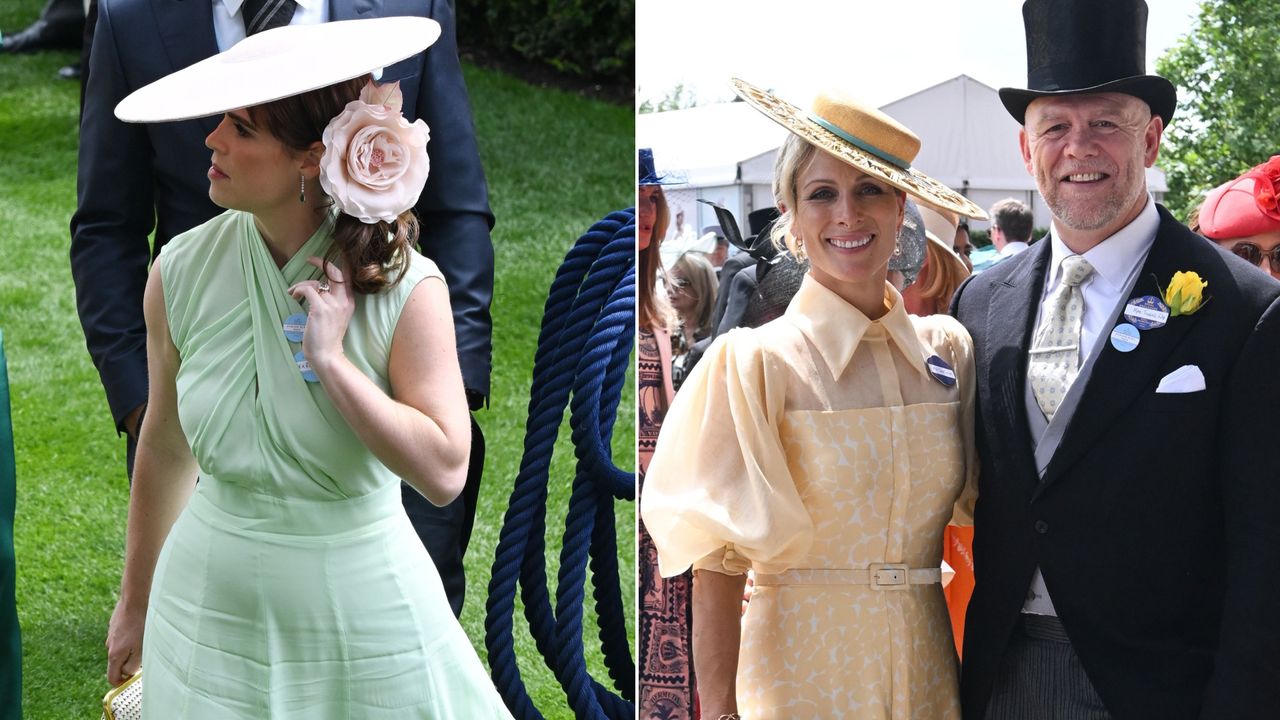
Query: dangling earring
x=302, y=189
x=897, y=243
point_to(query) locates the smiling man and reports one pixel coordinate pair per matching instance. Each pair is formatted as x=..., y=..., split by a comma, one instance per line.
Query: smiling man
x=1125, y=535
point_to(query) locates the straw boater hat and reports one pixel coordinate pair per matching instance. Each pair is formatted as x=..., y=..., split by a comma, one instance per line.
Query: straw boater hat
x=1088, y=46
x=867, y=139
x=277, y=64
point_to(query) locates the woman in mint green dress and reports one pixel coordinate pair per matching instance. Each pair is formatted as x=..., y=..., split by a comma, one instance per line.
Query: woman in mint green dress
x=302, y=362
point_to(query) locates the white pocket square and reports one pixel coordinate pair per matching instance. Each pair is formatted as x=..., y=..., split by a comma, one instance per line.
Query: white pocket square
x=1186, y=379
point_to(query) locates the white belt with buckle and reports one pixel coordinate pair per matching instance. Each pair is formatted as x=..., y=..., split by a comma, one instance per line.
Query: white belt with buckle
x=880, y=576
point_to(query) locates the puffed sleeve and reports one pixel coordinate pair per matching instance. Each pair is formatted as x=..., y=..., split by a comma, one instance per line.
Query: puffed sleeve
x=718, y=491
x=962, y=351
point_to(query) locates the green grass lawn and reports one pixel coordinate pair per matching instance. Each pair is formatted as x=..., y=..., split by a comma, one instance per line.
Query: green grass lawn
x=555, y=163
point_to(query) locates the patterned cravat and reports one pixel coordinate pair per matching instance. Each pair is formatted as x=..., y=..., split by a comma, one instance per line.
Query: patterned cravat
x=259, y=15
x=1055, y=352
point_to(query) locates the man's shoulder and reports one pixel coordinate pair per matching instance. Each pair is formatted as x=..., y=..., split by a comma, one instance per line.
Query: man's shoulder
x=998, y=273
x=123, y=6
x=126, y=12
x=737, y=262
x=1232, y=281
x=152, y=39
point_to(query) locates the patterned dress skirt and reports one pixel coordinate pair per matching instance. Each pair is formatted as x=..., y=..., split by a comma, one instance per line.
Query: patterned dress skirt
x=666, y=636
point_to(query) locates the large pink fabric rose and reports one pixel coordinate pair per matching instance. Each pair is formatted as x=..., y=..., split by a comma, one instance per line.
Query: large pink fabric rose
x=375, y=162
x=1266, y=187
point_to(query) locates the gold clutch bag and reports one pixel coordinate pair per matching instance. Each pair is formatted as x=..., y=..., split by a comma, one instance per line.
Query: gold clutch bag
x=124, y=702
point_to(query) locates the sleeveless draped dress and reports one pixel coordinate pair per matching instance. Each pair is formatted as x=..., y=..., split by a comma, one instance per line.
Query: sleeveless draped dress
x=292, y=585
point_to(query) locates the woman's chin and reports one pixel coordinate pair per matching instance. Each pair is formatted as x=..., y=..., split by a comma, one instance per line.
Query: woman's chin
x=220, y=201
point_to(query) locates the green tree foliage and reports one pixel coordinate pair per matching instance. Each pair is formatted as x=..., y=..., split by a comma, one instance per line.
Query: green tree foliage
x=590, y=39
x=677, y=98
x=1227, y=70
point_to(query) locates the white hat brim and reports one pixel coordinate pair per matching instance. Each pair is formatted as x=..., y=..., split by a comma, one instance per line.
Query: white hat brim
x=277, y=64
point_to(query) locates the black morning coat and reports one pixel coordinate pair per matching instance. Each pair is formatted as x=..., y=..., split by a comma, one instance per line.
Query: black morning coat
x=1157, y=522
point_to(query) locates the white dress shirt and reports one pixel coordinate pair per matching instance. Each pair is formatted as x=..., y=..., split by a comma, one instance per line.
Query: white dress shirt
x=1013, y=247
x=1116, y=263
x=228, y=26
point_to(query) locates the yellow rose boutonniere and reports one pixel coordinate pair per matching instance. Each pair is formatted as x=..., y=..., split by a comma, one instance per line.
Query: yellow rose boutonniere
x=1185, y=293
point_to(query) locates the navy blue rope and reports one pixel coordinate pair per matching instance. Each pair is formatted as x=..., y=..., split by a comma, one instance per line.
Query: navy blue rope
x=584, y=350
x=588, y=698
x=523, y=530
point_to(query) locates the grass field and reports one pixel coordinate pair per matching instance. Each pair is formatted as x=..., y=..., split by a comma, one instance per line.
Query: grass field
x=555, y=164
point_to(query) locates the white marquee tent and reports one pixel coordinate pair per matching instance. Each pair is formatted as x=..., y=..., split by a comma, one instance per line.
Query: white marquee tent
x=726, y=152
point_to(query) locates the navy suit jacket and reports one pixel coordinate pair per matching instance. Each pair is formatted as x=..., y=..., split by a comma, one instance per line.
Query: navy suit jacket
x=1157, y=522
x=135, y=179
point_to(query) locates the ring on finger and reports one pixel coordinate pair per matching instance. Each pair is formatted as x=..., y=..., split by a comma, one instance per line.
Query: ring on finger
x=323, y=287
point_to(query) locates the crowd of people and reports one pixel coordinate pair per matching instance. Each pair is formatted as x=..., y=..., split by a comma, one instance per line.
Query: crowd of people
x=1059, y=432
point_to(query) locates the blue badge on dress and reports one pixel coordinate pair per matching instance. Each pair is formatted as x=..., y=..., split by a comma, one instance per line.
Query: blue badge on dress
x=294, y=326
x=1125, y=337
x=305, y=368
x=1147, y=312
x=941, y=371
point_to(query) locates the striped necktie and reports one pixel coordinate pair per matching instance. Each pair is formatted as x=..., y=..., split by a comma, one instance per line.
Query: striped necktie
x=259, y=15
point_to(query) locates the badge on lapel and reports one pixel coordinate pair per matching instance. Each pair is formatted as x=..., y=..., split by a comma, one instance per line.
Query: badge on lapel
x=1184, y=295
x=941, y=371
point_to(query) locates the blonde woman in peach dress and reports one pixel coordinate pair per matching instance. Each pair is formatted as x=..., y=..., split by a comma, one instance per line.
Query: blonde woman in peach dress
x=827, y=451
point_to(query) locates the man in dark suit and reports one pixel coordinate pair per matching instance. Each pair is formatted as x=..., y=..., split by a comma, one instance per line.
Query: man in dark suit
x=60, y=25
x=1126, y=527
x=135, y=179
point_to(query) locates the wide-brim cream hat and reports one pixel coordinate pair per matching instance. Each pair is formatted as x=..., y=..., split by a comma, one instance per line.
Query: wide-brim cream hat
x=279, y=63
x=865, y=138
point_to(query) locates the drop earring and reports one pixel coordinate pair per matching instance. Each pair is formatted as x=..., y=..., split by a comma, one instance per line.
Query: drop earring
x=302, y=189
x=897, y=243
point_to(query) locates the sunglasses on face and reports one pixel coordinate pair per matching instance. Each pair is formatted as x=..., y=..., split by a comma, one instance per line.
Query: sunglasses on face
x=1254, y=254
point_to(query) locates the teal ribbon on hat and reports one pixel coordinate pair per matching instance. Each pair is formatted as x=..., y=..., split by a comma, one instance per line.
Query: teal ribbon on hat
x=863, y=145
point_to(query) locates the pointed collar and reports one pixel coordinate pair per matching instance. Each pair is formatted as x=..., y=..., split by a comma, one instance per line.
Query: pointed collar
x=1116, y=259
x=835, y=327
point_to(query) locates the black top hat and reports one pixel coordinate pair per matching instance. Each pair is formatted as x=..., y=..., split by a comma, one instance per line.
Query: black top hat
x=1088, y=46
x=759, y=246
x=760, y=219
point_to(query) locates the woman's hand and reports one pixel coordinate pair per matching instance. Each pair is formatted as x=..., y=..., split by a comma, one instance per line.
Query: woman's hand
x=330, y=303
x=124, y=642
